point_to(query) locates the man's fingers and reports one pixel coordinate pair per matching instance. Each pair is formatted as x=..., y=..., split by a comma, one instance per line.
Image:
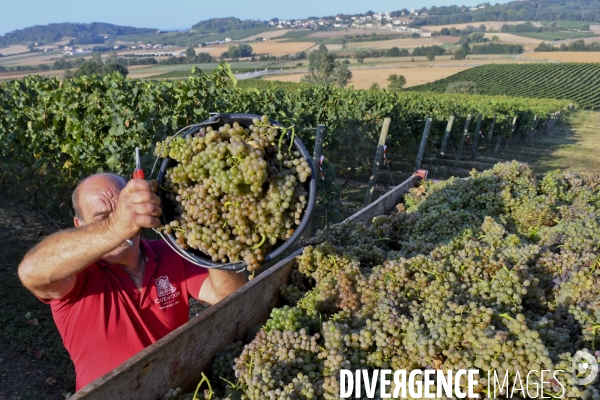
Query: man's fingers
x=154, y=185
x=144, y=197
x=147, y=221
x=148, y=209
x=135, y=185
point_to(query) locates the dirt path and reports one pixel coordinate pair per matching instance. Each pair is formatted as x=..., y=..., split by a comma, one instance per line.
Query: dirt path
x=33, y=362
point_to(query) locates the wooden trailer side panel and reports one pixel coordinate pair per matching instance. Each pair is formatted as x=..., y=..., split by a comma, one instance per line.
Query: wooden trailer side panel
x=385, y=203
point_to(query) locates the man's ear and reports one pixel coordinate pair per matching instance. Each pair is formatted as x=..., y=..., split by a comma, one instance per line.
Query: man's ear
x=77, y=222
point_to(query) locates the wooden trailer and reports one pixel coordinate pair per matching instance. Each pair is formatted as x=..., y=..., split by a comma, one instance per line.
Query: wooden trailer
x=178, y=359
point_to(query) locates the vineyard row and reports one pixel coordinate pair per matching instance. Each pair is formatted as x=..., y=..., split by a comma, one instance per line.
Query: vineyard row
x=57, y=132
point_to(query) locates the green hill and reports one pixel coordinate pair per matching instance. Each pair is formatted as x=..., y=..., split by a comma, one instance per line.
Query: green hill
x=82, y=33
x=220, y=25
x=579, y=82
x=522, y=10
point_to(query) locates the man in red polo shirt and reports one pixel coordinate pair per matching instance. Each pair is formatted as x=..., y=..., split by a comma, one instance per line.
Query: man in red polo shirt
x=111, y=293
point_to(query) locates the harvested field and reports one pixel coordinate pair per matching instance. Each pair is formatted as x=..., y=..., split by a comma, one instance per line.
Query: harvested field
x=511, y=38
x=4, y=76
x=30, y=59
x=334, y=47
x=565, y=56
x=13, y=49
x=364, y=78
x=406, y=43
x=266, y=35
x=273, y=47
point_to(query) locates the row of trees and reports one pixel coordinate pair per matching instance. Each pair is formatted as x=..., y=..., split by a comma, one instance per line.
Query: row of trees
x=577, y=45
x=429, y=51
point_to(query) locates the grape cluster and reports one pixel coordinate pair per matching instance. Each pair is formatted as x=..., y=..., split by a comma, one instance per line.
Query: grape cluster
x=238, y=191
x=498, y=272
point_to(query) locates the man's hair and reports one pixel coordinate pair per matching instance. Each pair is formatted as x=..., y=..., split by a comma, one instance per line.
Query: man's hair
x=75, y=195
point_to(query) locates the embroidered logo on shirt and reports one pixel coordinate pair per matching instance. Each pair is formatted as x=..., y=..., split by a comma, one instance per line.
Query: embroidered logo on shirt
x=163, y=286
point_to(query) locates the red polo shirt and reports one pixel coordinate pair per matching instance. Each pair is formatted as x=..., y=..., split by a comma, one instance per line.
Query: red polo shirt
x=105, y=319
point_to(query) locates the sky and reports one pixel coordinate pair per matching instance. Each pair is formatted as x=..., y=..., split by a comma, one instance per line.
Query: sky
x=179, y=14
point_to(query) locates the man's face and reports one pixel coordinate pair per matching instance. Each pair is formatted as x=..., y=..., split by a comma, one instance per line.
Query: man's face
x=98, y=197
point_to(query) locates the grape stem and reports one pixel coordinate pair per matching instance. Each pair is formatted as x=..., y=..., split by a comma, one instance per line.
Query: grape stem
x=233, y=385
x=256, y=246
x=594, y=336
x=210, y=391
x=505, y=315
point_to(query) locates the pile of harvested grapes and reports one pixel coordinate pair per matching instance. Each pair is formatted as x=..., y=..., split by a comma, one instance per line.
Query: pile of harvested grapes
x=497, y=272
x=238, y=191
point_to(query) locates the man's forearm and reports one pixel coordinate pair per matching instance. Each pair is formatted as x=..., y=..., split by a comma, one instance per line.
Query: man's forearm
x=222, y=284
x=65, y=253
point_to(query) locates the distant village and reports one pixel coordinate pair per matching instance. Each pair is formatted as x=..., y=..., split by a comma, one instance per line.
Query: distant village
x=392, y=21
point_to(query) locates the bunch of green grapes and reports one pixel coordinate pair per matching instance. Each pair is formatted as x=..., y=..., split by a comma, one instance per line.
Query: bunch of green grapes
x=499, y=272
x=238, y=191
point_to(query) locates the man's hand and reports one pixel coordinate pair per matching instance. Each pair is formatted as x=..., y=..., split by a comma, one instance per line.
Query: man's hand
x=138, y=207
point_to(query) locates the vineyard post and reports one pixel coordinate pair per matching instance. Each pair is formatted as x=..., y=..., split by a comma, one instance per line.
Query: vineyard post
x=423, y=142
x=315, y=161
x=548, y=129
x=536, y=119
x=514, y=127
x=474, y=150
x=498, y=141
x=318, y=146
x=463, y=138
x=556, y=119
x=447, y=135
x=492, y=125
x=377, y=160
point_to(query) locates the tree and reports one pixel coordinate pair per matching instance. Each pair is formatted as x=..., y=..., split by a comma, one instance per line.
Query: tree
x=97, y=58
x=111, y=68
x=68, y=74
x=112, y=58
x=323, y=69
x=204, y=58
x=190, y=52
x=396, y=82
x=463, y=52
x=431, y=56
x=89, y=67
x=445, y=32
x=342, y=73
x=361, y=55
x=477, y=37
x=375, y=87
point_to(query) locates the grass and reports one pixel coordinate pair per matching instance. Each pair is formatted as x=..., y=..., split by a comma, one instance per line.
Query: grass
x=569, y=24
x=555, y=35
x=296, y=34
x=576, y=145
